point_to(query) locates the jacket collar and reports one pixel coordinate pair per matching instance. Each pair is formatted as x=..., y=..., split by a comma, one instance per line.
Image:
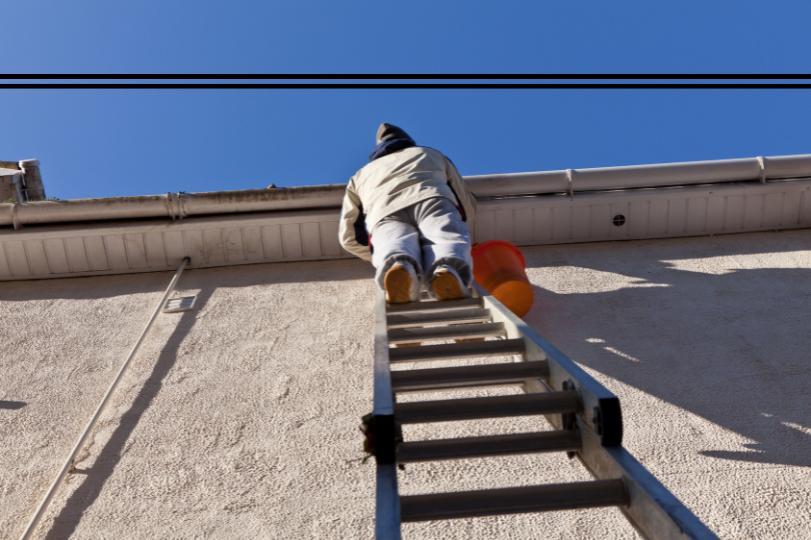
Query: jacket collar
x=390, y=146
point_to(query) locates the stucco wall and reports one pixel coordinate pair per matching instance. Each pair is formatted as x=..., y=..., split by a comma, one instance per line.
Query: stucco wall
x=239, y=419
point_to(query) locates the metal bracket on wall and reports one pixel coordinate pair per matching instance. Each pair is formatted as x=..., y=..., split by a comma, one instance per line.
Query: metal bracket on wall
x=570, y=182
x=184, y=303
x=762, y=161
x=176, y=205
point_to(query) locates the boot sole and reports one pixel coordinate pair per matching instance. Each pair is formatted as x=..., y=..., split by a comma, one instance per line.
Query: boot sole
x=447, y=287
x=398, y=285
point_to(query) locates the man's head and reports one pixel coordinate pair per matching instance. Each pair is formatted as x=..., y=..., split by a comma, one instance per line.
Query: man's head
x=388, y=131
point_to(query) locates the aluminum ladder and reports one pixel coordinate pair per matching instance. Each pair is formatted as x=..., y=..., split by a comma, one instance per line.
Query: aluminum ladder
x=586, y=417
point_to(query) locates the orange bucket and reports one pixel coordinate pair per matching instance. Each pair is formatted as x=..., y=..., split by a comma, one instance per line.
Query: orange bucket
x=500, y=268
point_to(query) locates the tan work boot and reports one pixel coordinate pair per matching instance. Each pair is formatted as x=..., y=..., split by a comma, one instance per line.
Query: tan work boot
x=448, y=286
x=398, y=283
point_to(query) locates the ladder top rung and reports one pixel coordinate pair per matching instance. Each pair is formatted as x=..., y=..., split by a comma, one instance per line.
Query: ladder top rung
x=424, y=307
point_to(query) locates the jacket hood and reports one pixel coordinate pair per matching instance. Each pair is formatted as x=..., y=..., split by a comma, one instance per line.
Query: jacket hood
x=389, y=131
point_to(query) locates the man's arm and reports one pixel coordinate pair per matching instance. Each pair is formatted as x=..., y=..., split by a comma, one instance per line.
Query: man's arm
x=352, y=228
x=466, y=198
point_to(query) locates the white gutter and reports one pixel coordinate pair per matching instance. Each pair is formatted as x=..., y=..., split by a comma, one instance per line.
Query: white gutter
x=172, y=205
x=642, y=176
x=179, y=205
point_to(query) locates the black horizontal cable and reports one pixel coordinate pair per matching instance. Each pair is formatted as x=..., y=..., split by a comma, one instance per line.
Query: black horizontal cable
x=406, y=86
x=410, y=76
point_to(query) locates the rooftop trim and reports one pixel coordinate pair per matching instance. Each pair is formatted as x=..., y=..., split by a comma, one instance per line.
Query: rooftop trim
x=177, y=206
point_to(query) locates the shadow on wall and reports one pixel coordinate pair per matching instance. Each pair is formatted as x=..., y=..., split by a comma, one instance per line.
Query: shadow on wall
x=730, y=345
x=97, y=287
x=12, y=405
x=83, y=497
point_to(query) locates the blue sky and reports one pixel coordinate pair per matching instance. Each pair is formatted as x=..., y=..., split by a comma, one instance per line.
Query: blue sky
x=130, y=142
x=419, y=36
x=135, y=142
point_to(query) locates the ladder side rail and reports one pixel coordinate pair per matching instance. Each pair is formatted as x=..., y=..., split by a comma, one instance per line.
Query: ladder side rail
x=653, y=510
x=387, y=503
x=387, y=507
x=601, y=408
x=383, y=395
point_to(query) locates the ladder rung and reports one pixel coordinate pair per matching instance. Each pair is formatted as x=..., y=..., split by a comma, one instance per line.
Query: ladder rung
x=452, y=351
x=466, y=376
x=425, y=307
x=497, y=445
x=464, y=331
x=449, y=410
x=517, y=500
x=465, y=316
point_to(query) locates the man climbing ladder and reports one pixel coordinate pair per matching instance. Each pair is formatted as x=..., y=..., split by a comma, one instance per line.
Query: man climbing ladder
x=407, y=212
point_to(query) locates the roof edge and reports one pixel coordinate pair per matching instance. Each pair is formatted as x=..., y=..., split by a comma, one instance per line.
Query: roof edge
x=178, y=206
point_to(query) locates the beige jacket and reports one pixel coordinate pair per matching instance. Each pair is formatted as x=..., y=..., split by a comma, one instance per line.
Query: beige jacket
x=394, y=182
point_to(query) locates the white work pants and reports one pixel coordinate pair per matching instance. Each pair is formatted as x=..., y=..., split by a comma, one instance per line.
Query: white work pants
x=427, y=234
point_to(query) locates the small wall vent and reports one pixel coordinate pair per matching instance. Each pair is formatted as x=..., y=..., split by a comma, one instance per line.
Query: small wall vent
x=619, y=220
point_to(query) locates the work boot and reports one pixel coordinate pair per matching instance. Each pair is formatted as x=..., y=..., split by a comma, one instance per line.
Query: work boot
x=447, y=285
x=401, y=284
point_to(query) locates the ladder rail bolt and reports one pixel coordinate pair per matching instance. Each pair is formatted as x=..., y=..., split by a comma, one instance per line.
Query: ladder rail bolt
x=568, y=419
x=597, y=420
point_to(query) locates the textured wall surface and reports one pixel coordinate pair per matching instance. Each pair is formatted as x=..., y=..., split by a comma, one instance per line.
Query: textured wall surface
x=239, y=419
